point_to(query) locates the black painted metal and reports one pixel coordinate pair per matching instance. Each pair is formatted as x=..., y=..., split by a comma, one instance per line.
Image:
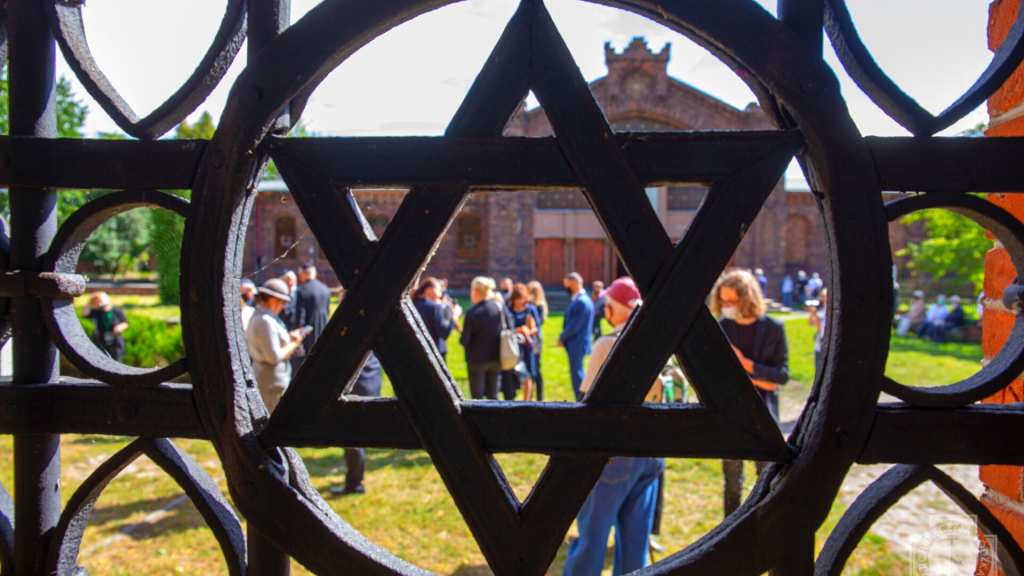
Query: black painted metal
x=886, y=491
x=33, y=223
x=62, y=319
x=857, y=60
x=780, y=59
x=104, y=164
x=90, y=407
x=190, y=476
x=66, y=21
x=1009, y=362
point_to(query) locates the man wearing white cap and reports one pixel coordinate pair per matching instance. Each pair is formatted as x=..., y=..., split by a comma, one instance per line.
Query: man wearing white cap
x=627, y=493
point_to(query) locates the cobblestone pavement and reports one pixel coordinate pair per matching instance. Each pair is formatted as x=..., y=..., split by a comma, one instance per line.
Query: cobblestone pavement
x=908, y=525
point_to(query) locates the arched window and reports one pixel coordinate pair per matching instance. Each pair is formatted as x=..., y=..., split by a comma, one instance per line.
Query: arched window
x=284, y=236
x=468, y=238
x=797, y=232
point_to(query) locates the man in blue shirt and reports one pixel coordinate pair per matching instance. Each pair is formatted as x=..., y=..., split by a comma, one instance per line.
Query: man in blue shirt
x=577, y=328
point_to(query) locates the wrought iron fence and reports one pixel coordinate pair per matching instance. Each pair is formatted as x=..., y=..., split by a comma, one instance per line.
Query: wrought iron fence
x=781, y=60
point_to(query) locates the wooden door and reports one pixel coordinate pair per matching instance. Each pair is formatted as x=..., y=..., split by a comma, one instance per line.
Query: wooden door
x=590, y=259
x=550, y=263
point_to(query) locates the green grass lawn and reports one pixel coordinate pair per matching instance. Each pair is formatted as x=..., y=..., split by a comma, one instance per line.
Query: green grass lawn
x=407, y=508
x=916, y=362
x=148, y=306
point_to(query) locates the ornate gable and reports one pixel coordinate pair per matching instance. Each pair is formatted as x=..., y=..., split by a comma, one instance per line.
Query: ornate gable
x=639, y=95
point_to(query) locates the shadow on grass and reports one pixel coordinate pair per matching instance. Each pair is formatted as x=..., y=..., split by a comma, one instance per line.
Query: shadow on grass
x=113, y=519
x=961, y=350
x=377, y=459
x=325, y=461
x=554, y=570
x=181, y=519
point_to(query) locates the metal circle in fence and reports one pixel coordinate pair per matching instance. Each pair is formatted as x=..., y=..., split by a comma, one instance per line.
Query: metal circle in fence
x=60, y=314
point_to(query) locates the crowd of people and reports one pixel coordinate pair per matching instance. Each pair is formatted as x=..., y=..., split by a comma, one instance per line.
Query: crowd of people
x=935, y=321
x=627, y=494
x=794, y=292
x=293, y=310
x=282, y=319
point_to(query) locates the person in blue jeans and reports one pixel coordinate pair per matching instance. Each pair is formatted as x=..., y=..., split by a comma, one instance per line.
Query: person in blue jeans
x=577, y=328
x=627, y=494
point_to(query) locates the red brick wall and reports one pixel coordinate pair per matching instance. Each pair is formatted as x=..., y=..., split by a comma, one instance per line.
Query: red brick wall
x=1003, y=484
x=271, y=206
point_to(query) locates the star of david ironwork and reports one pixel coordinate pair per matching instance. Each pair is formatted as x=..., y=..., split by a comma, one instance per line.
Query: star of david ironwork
x=612, y=170
x=286, y=518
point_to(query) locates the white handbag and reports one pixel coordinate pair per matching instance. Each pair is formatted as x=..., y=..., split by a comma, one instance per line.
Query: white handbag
x=508, y=343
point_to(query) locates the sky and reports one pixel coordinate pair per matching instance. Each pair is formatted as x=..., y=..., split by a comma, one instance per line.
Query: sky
x=411, y=80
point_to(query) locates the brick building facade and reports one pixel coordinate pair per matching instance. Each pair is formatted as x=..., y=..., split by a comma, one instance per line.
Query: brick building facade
x=1004, y=485
x=544, y=235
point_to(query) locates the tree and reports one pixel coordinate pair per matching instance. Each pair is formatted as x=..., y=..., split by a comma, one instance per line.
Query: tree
x=71, y=112
x=203, y=128
x=956, y=245
x=120, y=244
x=71, y=115
x=168, y=228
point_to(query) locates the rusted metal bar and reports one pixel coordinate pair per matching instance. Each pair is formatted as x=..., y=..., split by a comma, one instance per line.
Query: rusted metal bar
x=959, y=436
x=515, y=163
x=20, y=284
x=807, y=19
x=99, y=164
x=32, y=103
x=90, y=407
x=267, y=19
x=948, y=164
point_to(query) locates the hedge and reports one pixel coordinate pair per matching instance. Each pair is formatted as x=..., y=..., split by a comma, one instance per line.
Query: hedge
x=149, y=342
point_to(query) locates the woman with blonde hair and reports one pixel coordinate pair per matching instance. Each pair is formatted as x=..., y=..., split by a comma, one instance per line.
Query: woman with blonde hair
x=538, y=299
x=540, y=302
x=759, y=342
x=481, y=333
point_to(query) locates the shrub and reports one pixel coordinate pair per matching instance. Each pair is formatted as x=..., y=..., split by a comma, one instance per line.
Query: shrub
x=150, y=342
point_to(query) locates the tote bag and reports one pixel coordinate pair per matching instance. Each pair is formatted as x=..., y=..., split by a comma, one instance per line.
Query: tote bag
x=508, y=343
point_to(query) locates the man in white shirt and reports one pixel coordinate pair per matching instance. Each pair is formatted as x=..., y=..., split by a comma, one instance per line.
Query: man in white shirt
x=627, y=493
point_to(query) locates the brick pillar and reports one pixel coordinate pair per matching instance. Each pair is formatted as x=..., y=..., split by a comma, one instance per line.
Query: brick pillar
x=1003, y=484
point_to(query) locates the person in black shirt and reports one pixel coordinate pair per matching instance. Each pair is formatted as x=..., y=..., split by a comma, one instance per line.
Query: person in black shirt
x=367, y=385
x=481, y=333
x=438, y=323
x=595, y=294
x=289, y=315
x=759, y=342
x=954, y=320
x=311, y=307
x=108, y=325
